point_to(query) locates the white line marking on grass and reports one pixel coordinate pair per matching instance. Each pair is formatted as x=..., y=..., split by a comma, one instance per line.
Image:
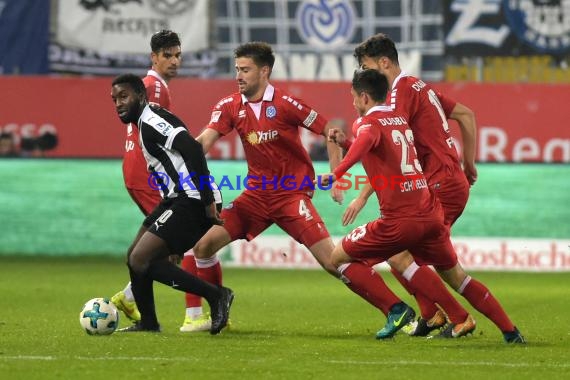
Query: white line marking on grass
x=27, y=357
x=350, y=362
x=452, y=363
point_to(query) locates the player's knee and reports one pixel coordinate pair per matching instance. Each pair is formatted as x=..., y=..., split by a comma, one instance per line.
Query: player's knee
x=137, y=264
x=401, y=261
x=203, y=249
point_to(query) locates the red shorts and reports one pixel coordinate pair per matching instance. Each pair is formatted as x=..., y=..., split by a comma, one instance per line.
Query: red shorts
x=146, y=199
x=452, y=193
x=377, y=241
x=252, y=212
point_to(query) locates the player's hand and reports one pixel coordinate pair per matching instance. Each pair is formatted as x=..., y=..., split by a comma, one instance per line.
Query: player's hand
x=213, y=215
x=324, y=180
x=337, y=194
x=352, y=211
x=470, y=172
x=337, y=136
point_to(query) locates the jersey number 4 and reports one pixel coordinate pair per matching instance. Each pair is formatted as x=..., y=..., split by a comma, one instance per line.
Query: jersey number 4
x=304, y=210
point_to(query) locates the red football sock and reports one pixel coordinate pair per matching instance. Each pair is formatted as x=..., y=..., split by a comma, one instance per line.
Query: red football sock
x=189, y=265
x=210, y=270
x=427, y=306
x=481, y=298
x=368, y=284
x=427, y=282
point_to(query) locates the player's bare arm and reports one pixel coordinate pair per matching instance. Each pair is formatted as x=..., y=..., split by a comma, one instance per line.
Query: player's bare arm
x=356, y=205
x=207, y=138
x=335, y=156
x=466, y=120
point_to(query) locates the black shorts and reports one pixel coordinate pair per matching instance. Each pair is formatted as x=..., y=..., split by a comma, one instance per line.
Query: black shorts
x=180, y=222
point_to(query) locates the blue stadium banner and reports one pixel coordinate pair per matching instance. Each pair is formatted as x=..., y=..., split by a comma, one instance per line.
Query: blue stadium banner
x=24, y=36
x=507, y=27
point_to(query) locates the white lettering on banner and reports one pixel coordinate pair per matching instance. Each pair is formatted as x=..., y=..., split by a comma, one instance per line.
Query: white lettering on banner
x=497, y=254
x=464, y=31
x=125, y=27
x=552, y=145
x=314, y=66
x=489, y=151
x=493, y=142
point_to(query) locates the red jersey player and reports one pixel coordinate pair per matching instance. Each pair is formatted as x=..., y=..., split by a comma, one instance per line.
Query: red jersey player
x=427, y=112
x=412, y=218
x=281, y=174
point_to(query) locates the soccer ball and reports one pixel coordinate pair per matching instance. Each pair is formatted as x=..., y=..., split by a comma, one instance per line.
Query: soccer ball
x=99, y=317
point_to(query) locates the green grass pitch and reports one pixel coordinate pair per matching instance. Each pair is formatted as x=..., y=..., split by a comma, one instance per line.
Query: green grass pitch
x=285, y=325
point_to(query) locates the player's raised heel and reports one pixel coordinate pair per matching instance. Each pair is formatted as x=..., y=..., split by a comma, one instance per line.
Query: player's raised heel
x=128, y=307
x=514, y=337
x=424, y=326
x=457, y=330
x=400, y=315
x=203, y=323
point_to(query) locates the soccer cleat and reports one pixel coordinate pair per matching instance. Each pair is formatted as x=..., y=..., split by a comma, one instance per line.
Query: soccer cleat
x=457, y=330
x=128, y=307
x=422, y=327
x=513, y=337
x=138, y=327
x=220, y=310
x=400, y=315
x=203, y=323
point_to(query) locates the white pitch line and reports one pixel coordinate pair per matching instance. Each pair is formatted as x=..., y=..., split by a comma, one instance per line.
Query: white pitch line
x=453, y=363
x=349, y=362
x=27, y=357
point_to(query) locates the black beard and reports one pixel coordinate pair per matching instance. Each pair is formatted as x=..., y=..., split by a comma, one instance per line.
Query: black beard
x=133, y=115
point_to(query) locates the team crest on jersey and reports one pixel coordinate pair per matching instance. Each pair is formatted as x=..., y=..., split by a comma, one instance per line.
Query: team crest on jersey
x=270, y=112
x=164, y=128
x=260, y=137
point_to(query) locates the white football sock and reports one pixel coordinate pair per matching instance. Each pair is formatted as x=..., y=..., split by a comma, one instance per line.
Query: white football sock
x=129, y=293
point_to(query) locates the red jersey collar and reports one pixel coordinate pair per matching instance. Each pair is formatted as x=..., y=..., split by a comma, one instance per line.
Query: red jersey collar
x=381, y=108
x=267, y=95
x=402, y=74
x=153, y=73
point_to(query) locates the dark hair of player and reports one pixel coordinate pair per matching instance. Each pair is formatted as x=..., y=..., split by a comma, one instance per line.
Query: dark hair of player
x=379, y=45
x=133, y=80
x=371, y=82
x=163, y=40
x=260, y=52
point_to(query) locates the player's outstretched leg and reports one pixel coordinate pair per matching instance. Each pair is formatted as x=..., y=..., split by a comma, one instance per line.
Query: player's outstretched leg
x=480, y=297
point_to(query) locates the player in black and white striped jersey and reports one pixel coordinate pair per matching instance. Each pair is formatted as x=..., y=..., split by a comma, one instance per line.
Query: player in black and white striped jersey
x=188, y=209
